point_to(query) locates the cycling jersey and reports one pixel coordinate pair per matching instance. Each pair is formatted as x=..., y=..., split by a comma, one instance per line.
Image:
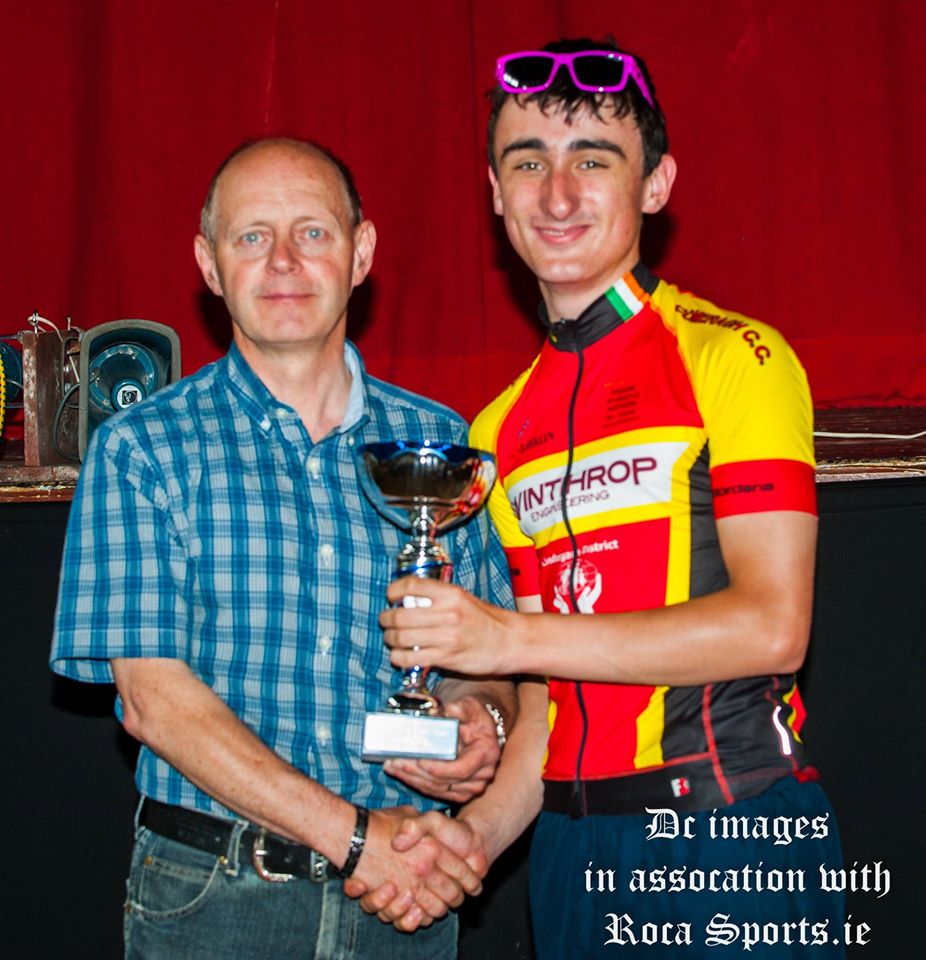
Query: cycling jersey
x=639, y=424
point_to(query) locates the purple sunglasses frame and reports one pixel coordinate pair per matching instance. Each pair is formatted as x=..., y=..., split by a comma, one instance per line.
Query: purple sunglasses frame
x=631, y=71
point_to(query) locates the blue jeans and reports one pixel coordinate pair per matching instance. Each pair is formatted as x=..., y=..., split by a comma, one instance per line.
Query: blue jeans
x=184, y=904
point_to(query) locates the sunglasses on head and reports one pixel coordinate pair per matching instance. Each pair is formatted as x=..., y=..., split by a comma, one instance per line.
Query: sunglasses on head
x=597, y=71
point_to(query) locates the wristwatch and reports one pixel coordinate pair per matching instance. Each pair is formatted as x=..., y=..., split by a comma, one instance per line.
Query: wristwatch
x=500, y=731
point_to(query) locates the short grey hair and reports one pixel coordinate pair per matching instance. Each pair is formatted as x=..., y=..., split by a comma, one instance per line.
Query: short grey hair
x=207, y=216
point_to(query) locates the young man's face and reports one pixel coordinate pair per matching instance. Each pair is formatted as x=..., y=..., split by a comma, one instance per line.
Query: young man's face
x=572, y=195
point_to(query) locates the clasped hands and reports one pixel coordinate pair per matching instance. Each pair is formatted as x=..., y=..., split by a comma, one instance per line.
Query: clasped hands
x=415, y=867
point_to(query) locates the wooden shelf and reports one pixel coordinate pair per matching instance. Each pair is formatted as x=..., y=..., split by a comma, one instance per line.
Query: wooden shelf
x=869, y=457
x=838, y=459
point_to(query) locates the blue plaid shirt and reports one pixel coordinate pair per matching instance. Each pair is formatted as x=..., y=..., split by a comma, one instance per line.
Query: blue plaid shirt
x=207, y=526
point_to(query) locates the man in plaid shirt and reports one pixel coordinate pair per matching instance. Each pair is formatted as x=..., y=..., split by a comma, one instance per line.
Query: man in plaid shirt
x=222, y=566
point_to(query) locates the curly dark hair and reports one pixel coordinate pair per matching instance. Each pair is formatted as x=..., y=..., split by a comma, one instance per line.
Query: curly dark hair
x=563, y=96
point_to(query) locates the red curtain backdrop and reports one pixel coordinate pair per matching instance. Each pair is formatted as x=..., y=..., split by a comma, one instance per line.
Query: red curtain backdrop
x=798, y=128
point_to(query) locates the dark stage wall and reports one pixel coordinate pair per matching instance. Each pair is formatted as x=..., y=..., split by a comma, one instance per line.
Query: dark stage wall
x=68, y=797
x=798, y=126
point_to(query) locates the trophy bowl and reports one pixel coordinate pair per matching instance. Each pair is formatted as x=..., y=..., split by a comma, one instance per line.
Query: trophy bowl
x=407, y=480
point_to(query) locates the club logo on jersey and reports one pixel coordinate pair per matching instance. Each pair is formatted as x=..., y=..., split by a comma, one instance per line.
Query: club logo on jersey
x=577, y=587
x=535, y=441
x=680, y=786
x=750, y=334
x=615, y=479
x=713, y=319
x=623, y=400
x=743, y=488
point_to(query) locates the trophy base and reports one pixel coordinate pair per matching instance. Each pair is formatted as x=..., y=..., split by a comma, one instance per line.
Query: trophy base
x=393, y=735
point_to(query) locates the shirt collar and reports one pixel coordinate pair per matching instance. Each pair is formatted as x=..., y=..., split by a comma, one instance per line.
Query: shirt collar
x=357, y=398
x=257, y=400
x=615, y=306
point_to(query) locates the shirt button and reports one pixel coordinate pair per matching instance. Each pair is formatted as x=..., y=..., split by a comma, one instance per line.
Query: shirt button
x=326, y=552
x=350, y=441
x=313, y=467
x=324, y=643
x=323, y=733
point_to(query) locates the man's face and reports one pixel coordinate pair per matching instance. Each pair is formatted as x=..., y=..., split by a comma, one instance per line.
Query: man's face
x=572, y=195
x=285, y=255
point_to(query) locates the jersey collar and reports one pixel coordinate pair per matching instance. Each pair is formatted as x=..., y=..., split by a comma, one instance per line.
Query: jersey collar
x=614, y=307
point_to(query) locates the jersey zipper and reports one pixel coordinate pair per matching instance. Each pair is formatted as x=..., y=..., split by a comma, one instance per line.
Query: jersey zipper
x=577, y=805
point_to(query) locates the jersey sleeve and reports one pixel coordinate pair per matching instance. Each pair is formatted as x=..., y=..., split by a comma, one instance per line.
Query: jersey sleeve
x=518, y=547
x=755, y=402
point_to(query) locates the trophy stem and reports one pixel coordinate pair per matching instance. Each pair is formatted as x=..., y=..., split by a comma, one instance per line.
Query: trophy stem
x=423, y=524
x=422, y=557
x=414, y=697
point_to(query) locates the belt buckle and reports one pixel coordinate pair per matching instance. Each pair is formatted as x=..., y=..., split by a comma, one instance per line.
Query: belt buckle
x=259, y=853
x=318, y=867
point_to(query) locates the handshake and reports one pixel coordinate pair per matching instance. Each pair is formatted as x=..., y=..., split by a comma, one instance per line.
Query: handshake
x=415, y=867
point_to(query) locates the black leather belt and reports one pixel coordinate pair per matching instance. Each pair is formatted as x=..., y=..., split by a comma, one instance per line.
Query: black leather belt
x=275, y=858
x=687, y=788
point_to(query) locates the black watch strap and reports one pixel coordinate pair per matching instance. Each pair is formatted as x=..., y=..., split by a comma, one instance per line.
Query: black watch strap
x=358, y=840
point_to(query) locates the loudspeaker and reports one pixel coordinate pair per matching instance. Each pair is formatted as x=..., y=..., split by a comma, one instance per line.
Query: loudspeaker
x=121, y=363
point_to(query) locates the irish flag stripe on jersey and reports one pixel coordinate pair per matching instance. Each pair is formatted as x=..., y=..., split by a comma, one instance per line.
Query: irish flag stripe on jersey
x=626, y=300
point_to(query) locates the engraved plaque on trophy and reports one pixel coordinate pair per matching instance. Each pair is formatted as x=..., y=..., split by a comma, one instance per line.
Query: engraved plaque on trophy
x=424, y=488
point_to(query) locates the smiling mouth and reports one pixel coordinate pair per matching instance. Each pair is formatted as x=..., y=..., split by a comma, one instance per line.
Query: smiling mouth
x=561, y=235
x=283, y=295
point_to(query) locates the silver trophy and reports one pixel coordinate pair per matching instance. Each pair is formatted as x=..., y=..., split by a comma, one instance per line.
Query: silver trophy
x=424, y=488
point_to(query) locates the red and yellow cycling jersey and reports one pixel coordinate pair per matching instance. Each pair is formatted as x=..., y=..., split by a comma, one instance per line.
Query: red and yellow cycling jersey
x=637, y=425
